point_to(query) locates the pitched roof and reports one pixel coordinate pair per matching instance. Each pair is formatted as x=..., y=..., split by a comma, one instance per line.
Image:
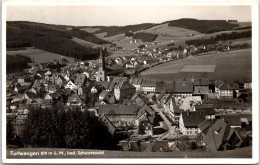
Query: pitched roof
x=124, y=85
x=215, y=135
x=201, y=82
x=192, y=119
x=74, y=98
x=109, y=85
x=160, y=96
x=175, y=107
x=164, y=86
x=80, y=79
x=136, y=81
x=103, y=93
x=232, y=120
x=204, y=126
x=207, y=108
x=119, y=79
x=116, y=109
x=183, y=86
x=228, y=86
x=147, y=82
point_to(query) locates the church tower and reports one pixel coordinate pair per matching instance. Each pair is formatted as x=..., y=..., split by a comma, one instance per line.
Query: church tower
x=101, y=70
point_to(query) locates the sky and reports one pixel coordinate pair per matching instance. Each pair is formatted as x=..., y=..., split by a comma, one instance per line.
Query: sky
x=123, y=15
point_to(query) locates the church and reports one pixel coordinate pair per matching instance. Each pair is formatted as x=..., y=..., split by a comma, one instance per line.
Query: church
x=103, y=72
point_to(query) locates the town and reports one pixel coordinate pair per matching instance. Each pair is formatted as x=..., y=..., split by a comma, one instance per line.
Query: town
x=191, y=113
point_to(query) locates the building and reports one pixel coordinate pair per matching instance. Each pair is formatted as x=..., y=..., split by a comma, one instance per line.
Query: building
x=201, y=86
x=182, y=88
x=225, y=89
x=124, y=90
x=219, y=135
x=101, y=76
x=148, y=86
x=136, y=82
x=189, y=122
x=208, y=109
x=120, y=116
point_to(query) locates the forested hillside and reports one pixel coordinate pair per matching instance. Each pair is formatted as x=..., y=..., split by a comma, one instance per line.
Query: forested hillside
x=202, y=26
x=51, y=38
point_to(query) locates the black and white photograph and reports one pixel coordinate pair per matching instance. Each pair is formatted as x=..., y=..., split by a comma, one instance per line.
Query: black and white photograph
x=107, y=81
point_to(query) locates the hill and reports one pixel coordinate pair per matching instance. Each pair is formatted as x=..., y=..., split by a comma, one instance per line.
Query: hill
x=52, y=38
x=230, y=66
x=202, y=26
x=115, y=30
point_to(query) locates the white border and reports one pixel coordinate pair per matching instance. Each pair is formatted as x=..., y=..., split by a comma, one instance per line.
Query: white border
x=255, y=77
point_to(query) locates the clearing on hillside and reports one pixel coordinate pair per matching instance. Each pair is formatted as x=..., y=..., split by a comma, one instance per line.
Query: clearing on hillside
x=40, y=56
x=230, y=66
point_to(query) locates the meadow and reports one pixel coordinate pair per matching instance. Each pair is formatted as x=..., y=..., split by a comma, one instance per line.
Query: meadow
x=230, y=66
x=40, y=56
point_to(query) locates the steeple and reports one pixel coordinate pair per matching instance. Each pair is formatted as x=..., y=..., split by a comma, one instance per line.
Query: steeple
x=101, y=70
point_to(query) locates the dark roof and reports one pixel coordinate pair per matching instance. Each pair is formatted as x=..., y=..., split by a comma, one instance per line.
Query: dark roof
x=74, y=98
x=146, y=82
x=183, y=86
x=80, y=79
x=115, y=109
x=207, y=108
x=107, y=84
x=119, y=79
x=201, y=82
x=192, y=119
x=160, y=96
x=164, y=86
x=215, y=135
x=204, y=126
x=31, y=95
x=124, y=85
x=103, y=93
x=228, y=86
x=232, y=120
x=136, y=81
x=175, y=107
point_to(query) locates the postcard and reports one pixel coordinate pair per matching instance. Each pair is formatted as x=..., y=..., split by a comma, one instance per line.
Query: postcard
x=125, y=82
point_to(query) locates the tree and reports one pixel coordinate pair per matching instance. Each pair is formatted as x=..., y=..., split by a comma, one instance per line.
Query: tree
x=9, y=132
x=180, y=47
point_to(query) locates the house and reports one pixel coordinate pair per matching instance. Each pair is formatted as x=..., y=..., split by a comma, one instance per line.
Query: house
x=60, y=81
x=108, y=85
x=148, y=86
x=107, y=96
x=208, y=109
x=111, y=128
x=189, y=121
x=220, y=136
x=145, y=114
x=166, y=86
x=225, y=89
x=172, y=110
x=248, y=85
x=234, y=121
x=182, y=88
x=70, y=85
x=30, y=95
x=201, y=85
x=120, y=116
x=74, y=100
x=136, y=82
x=124, y=90
x=80, y=80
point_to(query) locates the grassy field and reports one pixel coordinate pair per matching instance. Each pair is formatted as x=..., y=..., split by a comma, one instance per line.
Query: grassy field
x=85, y=153
x=230, y=66
x=84, y=43
x=40, y=56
